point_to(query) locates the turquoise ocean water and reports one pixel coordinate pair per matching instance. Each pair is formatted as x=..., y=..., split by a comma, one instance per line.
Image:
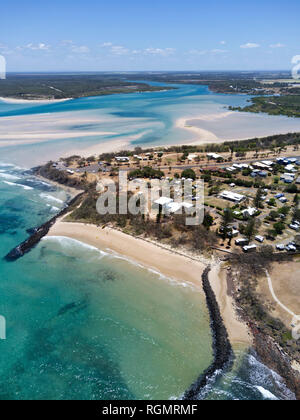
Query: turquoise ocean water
x=88, y=324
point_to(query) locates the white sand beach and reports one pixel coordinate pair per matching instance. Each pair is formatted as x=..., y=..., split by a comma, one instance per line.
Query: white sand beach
x=171, y=264
x=203, y=136
x=138, y=250
x=231, y=126
x=32, y=101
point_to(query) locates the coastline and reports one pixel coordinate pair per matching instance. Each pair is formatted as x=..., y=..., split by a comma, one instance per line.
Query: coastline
x=216, y=127
x=172, y=265
x=32, y=101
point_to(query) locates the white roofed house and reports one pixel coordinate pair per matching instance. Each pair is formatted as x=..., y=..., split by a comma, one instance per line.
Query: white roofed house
x=290, y=168
x=249, y=212
x=163, y=201
x=122, y=159
x=171, y=206
x=231, y=196
x=214, y=156
x=192, y=156
x=263, y=165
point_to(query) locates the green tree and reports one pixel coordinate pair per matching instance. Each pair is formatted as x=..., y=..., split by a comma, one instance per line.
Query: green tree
x=279, y=227
x=208, y=220
x=258, y=198
x=189, y=173
x=227, y=219
x=250, y=229
x=284, y=210
x=296, y=214
x=273, y=215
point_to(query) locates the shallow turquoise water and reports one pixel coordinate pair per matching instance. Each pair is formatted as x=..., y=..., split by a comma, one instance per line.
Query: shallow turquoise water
x=141, y=119
x=84, y=324
x=87, y=324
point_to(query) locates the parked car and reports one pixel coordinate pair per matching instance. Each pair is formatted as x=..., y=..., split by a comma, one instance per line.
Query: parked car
x=291, y=248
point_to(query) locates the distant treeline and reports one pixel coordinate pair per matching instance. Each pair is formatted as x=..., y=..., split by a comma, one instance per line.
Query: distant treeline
x=239, y=146
x=274, y=105
x=61, y=86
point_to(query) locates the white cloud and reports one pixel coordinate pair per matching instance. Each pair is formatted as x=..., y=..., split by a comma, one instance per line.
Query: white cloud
x=223, y=42
x=35, y=47
x=159, y=51
x=250, y=45
x=119, y=50
x=73, y=48
x=279, y=45
x=115, y=49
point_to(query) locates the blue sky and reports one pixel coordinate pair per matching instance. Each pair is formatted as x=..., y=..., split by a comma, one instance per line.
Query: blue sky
x=98, y=35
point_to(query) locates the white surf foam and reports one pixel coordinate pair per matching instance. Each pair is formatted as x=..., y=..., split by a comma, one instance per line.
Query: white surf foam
x=51, y=198
x=25, y=187
x=266, y=394
x=66, y=242
x=170, y=280
x=9, y=176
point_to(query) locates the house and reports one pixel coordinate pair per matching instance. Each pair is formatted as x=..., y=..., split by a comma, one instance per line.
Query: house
x=262, y=166
x=242, y=241
x=163, y=201
x=192, y=156
x=250, y=248
x=249, y=212
x=259, y=238
x=173, y=207
x=287, y=178
x=231, y=196
x=122, y=159
x=231, y=169
x=268, y=162
x=214, y=156
x=291, y=168
x=138, y=157
x=234, y=233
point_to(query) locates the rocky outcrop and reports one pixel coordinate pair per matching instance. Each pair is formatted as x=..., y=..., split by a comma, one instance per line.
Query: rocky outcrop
x=38, y=234
x=223, y=353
